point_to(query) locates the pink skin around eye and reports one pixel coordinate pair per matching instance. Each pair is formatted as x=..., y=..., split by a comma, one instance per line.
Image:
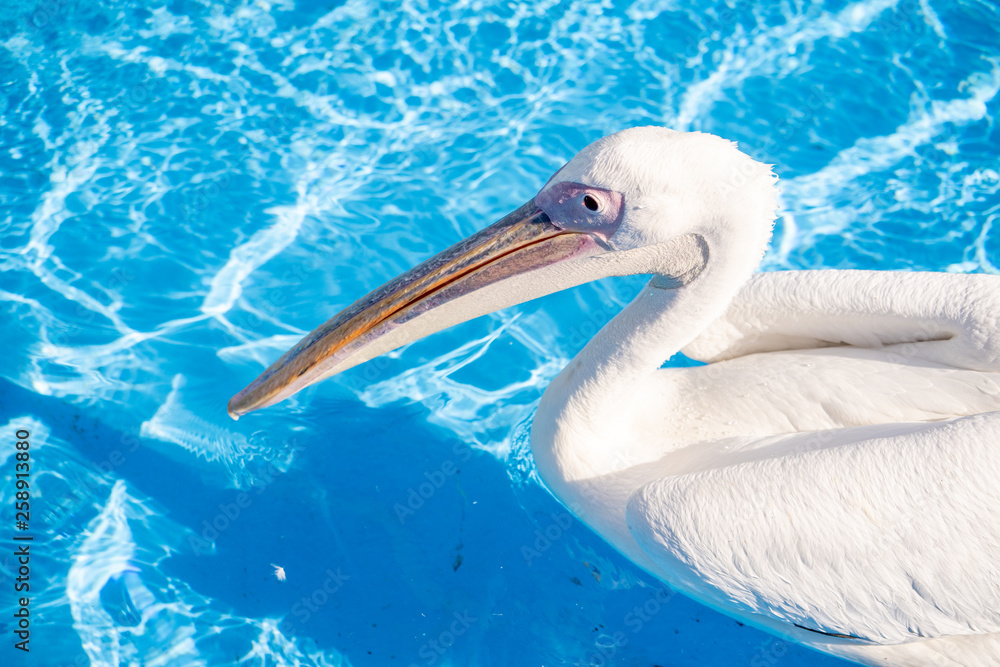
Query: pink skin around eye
x=564, y=204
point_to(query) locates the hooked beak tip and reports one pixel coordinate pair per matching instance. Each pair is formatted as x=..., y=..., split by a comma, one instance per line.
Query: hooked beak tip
x=233, y=409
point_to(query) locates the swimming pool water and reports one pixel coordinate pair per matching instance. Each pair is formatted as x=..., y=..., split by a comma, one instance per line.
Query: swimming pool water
x=187, y=187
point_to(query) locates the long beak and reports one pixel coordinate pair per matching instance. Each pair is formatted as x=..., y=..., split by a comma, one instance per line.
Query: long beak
x=456, y=285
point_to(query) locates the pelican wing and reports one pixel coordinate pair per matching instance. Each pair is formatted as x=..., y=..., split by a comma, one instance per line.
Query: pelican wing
x=887, y=539
x=951, y=319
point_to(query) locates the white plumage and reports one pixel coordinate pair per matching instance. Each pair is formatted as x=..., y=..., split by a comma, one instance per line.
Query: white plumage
x=832, y=474
x=834, y=469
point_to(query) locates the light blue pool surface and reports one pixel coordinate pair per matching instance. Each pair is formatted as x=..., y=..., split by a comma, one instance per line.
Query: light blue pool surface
x=188, y=187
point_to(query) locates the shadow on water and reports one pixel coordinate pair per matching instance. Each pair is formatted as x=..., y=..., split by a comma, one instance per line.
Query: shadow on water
x=400, y=543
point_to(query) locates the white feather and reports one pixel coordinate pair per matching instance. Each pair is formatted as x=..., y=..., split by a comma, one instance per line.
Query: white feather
x=832, y=474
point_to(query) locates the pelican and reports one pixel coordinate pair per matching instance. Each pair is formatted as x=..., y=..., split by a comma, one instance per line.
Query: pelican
x=831, y=474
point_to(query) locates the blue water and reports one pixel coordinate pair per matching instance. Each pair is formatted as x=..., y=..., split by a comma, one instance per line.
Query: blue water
x=187, y=187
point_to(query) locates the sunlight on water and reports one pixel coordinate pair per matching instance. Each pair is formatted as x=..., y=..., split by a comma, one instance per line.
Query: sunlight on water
x=187, y=187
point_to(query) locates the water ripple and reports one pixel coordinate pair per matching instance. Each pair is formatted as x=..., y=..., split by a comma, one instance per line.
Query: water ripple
x=188, y=187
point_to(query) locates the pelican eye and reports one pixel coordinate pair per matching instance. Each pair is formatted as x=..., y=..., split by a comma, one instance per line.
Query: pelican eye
x=591, y=203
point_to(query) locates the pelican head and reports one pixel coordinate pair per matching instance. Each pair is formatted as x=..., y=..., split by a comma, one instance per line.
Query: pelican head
x=643, y=201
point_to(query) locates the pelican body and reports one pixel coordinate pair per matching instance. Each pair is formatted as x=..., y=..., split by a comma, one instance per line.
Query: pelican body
x=831, y=475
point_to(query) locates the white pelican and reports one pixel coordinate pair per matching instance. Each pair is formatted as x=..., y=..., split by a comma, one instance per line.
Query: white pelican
x=832, y=475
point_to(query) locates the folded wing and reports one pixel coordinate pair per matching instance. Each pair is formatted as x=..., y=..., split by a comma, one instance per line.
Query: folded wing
x=888, y=539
